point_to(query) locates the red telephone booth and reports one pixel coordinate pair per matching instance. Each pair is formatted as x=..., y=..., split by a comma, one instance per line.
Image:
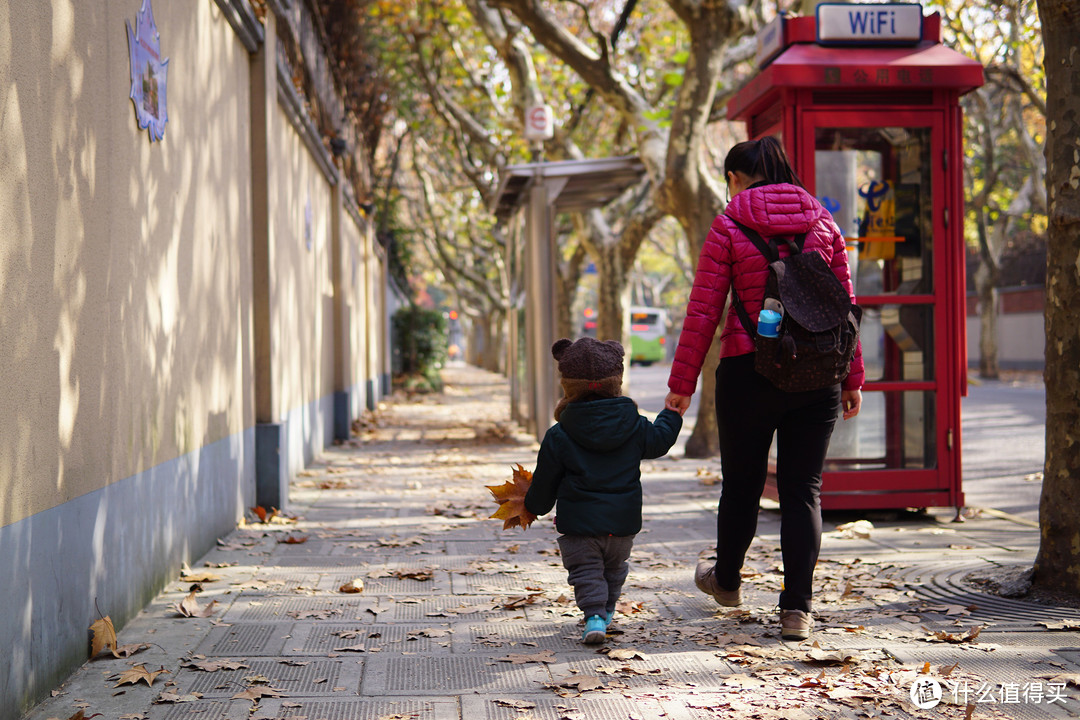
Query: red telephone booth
x=866, y=101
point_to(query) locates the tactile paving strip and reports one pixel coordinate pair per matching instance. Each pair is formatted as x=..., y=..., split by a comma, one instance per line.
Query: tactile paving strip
x=388, y=586
x=520, y=637
x=315, y=677
x=242, y=640
x=516, y=583
x=360, y=709
x=435, y=675
x=459, y=608
x=670, y=670
x=205, y=711
x=323, y=638
x=286, y=609
x=549, y=708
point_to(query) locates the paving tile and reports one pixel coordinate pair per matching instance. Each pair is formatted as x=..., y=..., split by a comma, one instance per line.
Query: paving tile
x=437, y=675
x=366, y=709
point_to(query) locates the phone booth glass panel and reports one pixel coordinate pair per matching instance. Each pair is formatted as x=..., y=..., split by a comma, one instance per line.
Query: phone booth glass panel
x=879, y=161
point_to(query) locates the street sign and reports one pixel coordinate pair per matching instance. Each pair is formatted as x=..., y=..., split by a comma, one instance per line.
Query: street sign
x=539, y=123
x=879, y=24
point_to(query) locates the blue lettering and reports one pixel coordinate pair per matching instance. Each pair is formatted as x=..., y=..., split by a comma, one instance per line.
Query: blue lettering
x=882, y=16
x=858, y=22
x=892, y=22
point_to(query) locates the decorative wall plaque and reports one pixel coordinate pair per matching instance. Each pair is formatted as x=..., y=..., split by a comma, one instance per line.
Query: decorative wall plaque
x=148, y=73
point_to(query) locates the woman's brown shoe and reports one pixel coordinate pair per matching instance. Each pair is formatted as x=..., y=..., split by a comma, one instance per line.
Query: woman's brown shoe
x=795, y=624
x=705, y=579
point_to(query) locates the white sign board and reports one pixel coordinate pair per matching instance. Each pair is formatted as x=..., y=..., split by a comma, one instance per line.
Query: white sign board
x=770, y=40
x=881, y=24
x=539, y=122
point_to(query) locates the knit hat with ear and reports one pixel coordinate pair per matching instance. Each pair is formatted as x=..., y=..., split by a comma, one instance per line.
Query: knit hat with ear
x=589, y=368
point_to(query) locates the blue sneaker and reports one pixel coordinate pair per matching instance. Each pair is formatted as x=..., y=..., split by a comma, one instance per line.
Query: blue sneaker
x=595, y=630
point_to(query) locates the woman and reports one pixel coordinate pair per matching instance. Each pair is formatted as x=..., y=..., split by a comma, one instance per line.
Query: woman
x=767, y=197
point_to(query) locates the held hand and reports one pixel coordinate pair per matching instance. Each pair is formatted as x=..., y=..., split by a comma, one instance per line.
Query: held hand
x=851, y=402
x=678, y=403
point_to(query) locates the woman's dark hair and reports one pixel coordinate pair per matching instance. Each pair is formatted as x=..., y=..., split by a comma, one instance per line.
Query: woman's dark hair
x=764, y=158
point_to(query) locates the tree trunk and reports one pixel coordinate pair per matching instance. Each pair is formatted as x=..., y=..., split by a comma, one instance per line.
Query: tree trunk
x=988, y=324
x=612, y=283
x=1058, y=562
x=704, y=441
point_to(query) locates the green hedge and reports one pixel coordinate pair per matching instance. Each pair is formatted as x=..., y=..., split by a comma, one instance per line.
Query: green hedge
x=421, y=344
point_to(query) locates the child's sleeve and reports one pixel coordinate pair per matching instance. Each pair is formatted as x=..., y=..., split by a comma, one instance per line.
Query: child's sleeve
x=661, y=434
x=540, y=498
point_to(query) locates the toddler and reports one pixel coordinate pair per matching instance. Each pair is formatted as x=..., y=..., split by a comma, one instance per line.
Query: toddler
x=590, y=464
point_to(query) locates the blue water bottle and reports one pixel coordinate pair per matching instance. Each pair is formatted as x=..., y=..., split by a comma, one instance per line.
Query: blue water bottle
x=768, y=323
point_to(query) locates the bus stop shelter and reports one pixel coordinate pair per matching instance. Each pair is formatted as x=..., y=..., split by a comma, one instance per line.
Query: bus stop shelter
x=528, y=198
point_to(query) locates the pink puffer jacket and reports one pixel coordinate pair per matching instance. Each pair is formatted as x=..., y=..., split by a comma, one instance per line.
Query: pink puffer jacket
x=772, y=210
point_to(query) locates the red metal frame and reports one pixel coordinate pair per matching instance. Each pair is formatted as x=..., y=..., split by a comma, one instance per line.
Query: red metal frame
x=808, y=86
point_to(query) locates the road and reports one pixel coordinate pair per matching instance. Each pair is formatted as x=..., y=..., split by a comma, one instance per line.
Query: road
x=1003, y=438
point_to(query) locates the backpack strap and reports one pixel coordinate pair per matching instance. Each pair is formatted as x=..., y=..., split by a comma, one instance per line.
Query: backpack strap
x=771, y=250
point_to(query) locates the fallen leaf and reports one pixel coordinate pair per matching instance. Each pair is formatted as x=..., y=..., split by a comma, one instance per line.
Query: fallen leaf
x=356, y=585
x=214, y=665
x=511, y=499
x=818, y=654
x=955, y=638
x=626, y=654
x=263, y=514
x=137, y=673
x=255, y=693
x=189, y=607
x=545, y=656
x=104, y=636
x=516, y=704
x=171, y=696
x=292, y=540
x=124, y=651
x=187, y=575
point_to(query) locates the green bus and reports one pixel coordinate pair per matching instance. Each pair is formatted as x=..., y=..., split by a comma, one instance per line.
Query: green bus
x=648, y=329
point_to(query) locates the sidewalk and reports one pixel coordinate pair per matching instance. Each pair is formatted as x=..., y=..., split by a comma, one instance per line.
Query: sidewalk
x=458, y=619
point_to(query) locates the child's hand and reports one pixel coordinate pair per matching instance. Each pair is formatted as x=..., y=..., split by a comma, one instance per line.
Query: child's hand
x=678, y=403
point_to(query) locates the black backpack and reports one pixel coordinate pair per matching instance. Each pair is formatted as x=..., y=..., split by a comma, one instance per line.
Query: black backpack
x=819, y=327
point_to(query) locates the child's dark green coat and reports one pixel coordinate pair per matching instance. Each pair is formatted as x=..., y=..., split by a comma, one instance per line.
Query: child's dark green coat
x=590, y=462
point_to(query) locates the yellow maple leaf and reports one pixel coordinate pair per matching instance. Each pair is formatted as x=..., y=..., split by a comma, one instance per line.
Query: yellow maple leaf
x=511, y=498
x=104, y=636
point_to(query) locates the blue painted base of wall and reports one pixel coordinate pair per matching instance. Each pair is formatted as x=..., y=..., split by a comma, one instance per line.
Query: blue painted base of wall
x=113, y=549
x=342, y=414
x=372, y=401
x=271, y=466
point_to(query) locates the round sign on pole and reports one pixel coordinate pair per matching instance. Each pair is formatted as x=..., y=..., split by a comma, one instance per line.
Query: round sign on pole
x=539, y=123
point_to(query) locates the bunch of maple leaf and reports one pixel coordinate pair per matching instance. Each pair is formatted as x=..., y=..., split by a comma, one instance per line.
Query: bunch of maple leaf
x=511, y=498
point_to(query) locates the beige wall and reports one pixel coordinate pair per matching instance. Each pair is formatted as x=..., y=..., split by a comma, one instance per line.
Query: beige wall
x=301, y=300
x=354, y=236
x=124, y=264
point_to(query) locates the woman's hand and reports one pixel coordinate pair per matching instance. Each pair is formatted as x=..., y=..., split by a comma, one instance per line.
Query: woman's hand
x=678, y=403
x=851, y=402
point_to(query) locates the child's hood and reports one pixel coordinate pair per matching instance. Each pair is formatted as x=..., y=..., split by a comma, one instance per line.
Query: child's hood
x=601, y=425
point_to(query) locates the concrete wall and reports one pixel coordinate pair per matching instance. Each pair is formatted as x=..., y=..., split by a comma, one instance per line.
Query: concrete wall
x=126, y=403
x=1021, y=329
x=131, y=295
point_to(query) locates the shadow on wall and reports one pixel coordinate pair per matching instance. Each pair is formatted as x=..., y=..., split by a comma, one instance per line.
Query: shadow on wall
x=127, y=400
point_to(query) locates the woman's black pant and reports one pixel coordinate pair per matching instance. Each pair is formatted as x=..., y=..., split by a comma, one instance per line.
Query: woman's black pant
x=748, y=410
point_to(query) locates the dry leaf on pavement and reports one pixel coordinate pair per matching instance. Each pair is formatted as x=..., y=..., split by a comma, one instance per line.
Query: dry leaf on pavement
x=130, y=649
x=954, y=638
x=137, y=673
x=255, y=693
x=214, y=665
x=187, y=575
x=626, y=654
x=511, y=498
x=356, y=585
x=516, y=704
x=104, y=636
x=189, y=607
x=545, y=656
x=172, y=696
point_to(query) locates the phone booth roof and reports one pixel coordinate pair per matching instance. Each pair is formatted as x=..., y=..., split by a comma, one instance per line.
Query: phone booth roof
x=854, y=69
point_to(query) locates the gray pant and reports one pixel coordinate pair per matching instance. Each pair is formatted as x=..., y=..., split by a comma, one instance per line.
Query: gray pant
x=596, y=568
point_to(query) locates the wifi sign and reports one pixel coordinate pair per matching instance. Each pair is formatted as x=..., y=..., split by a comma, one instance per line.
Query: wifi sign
x=879, y=24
